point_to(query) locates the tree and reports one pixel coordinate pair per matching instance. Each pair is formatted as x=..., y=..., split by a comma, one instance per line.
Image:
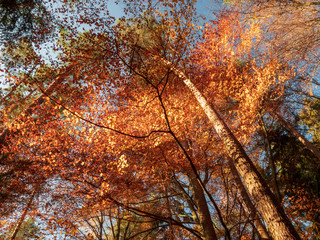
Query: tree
x=243, y=163
x=222, y=126
x=119, y=136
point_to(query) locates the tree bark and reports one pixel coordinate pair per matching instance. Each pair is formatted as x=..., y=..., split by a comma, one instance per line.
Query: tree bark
x=203, y=210
x=291, y=129
x=261, y=229
x=278, y=223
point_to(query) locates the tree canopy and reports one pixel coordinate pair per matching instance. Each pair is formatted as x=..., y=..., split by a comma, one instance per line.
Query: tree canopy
x=157, y=125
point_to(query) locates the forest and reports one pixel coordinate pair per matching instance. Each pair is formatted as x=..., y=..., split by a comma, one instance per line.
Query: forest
x=159, y=119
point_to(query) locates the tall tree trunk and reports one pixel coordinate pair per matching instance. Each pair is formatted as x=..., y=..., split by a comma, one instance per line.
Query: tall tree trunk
x=203, y=210
x=291, y=129
x=261, y=229
x=188, y=200
x=278, y=223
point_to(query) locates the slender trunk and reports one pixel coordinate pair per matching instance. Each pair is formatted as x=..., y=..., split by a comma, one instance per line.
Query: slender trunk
x=272, y=162
x=278, y=223
x=203, y=210
x=204, y=189
x=188, y=199
x=247, y=216
x=24, y=214
x=168, y=205
x=290, y=128
x=261, y=229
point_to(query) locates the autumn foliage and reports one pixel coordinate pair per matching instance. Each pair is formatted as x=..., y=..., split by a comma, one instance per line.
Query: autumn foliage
x=114, y=141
